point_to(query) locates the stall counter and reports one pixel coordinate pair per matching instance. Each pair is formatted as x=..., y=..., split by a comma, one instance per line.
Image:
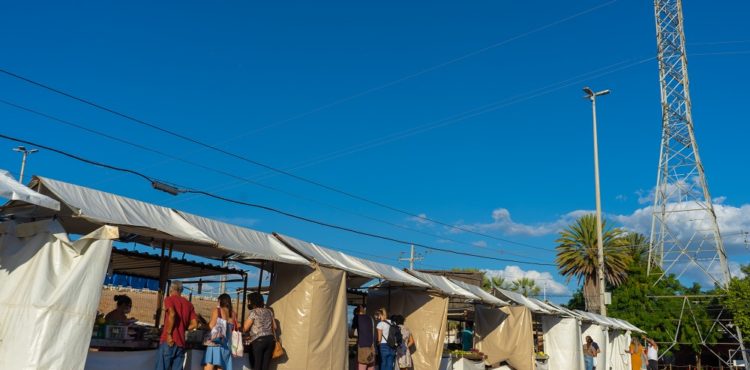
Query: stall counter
x=128, y=360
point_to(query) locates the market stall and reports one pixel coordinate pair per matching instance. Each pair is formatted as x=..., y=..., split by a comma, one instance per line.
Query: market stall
x=563, y=343
x=85, y=211
x=505, y=335
x=310, y=301
x=432, y=320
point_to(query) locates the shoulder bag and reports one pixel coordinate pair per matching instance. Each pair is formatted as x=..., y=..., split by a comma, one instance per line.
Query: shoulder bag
x=366, y=355
x=278, y=349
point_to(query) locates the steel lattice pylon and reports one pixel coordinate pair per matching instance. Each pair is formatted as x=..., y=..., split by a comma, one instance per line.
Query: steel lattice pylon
x=685, y=234
x=681, y=194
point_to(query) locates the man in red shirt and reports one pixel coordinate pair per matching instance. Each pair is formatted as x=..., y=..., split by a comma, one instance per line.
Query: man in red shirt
x=178, y=317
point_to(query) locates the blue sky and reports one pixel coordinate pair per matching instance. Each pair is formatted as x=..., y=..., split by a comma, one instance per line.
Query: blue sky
x=296, y=83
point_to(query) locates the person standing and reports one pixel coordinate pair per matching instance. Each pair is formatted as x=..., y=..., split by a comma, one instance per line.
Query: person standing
x=365, y=327
x=262, y=327
x=652, y=353
x=403, y=352
x=178, y=317
x=590, y=351
x=387, y=354
x=220, y=354
x=637, y=354
x=467, y=336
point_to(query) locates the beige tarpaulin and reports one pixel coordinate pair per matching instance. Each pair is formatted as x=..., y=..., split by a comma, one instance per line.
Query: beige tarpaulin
x=505, y=334
x=426, y=315
x=310, y=306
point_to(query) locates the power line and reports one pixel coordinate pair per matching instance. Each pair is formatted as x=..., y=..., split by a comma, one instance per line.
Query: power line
x=429, y=69
x=247, y=180
x=154, y=181
x=260, y=164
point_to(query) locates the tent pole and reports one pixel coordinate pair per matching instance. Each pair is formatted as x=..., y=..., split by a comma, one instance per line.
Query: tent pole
x=389, y=299
x=260, y=276
x=162, y=283
x=244, y=298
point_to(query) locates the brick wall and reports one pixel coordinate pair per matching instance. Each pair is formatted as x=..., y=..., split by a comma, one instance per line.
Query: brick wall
x=144, y=303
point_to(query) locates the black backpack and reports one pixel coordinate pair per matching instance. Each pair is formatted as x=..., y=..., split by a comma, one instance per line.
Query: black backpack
x=394, y=338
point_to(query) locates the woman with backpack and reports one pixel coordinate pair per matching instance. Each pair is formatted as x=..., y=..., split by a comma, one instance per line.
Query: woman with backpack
x=387, y=351
x=219, y=353
x=403, y=352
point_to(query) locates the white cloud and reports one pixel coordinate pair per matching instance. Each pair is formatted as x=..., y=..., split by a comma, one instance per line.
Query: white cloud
x=502, y=222
x=511, y=273
x=691, y=223
x=420, y=219
x=480, y=243
x=621, y=197
x=733, y=222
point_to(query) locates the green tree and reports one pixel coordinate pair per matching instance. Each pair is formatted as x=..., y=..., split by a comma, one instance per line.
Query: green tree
x=576, y=302
x=497, y=281
x=526, y=286
x=737, y=300
x=638, y=245
x=655, y=307
x=577, y=256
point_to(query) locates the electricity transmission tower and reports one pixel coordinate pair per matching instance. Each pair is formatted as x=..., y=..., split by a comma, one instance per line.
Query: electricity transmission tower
x=682, y=200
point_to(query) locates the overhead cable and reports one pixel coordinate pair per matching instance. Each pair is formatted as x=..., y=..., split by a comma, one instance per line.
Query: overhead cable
x=155, y=181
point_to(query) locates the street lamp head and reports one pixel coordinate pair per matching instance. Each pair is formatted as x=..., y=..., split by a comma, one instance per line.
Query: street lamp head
x=590, y=94
x=20, y=148
x=33, y=151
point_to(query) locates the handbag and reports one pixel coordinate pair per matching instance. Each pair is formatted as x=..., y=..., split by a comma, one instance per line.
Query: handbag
x=238, y=348
x=217, y=333
x=366, y=355
x=278, y=349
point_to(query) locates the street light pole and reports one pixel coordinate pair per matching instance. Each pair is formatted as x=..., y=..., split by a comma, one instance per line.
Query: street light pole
x=591, y=95
x=26, y=152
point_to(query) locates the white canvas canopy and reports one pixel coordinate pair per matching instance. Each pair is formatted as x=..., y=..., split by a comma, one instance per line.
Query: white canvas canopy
x=444, y=285
x=523, y=301
x=353, y=265
x=393, y=275
x=84, y=209
x=251, y=244
x=13, y=190
x=87, y=209
x=479, y=292
x=328, y=257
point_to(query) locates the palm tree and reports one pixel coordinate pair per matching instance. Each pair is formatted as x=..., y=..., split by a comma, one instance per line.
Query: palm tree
x=638, y=245
x=496, y=281
x=526, y=286
x=577, y=256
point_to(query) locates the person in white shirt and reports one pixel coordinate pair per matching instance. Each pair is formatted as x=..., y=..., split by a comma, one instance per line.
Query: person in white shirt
x=652, y=353
x=387, y=353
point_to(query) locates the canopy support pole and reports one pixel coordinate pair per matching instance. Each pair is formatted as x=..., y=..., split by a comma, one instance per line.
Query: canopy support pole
x=163, y=272
x=160, y=295
x=260, y=276
x=244, y=298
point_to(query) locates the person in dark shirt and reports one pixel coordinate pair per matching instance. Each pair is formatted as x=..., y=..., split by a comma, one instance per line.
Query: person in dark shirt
x=364, y=325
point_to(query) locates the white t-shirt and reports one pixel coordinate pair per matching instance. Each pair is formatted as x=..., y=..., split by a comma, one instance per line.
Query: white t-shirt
x=652, y=353
x=384, y=326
